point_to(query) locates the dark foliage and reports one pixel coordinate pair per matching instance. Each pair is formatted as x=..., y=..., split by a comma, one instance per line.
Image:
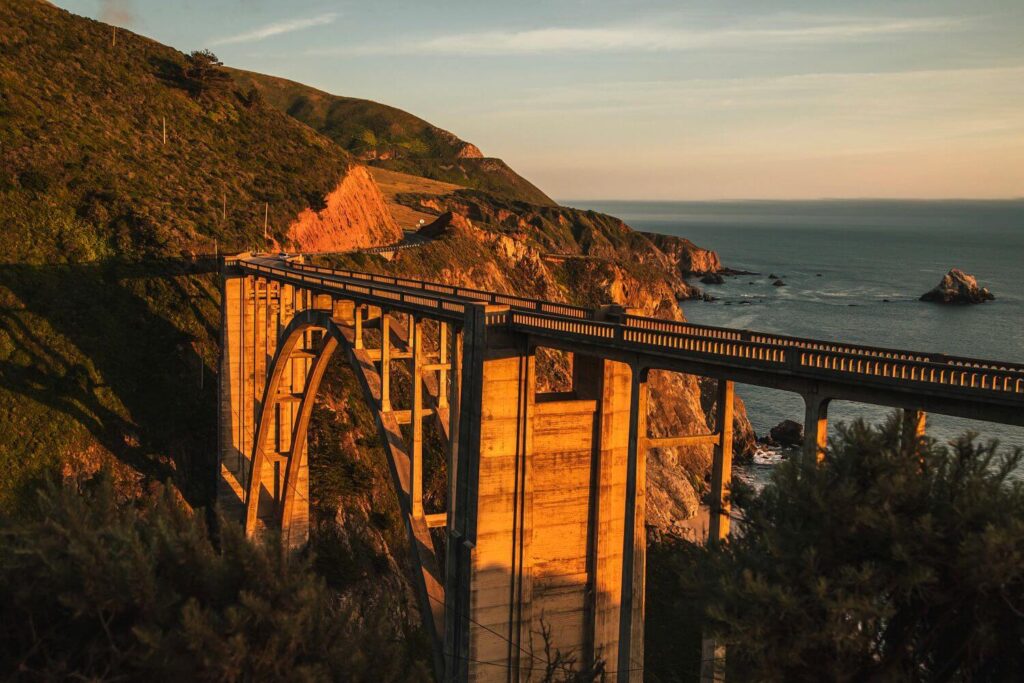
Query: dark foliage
x=93, y=588
x=891, y=561
x=204, y=73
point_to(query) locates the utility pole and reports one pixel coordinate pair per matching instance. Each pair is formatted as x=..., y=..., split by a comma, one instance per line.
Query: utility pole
x=113, y=36
x=165, y=129
x=266, y=213
x=224, y=206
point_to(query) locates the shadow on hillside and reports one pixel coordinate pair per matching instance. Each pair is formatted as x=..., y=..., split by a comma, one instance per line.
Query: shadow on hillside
x=127, y=351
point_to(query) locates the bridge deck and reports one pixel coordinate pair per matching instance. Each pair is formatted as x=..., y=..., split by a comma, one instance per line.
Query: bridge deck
x=969, y=387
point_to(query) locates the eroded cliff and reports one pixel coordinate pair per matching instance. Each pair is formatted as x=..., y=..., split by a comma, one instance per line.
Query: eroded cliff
x=354, y=215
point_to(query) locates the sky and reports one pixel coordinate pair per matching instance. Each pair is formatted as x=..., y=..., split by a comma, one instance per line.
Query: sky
x=594, y=99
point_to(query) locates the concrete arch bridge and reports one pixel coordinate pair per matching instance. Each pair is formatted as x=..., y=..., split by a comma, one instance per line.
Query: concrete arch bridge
x=544, y=517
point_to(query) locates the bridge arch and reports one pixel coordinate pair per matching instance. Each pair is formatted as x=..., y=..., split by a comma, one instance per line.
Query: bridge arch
x=274, y=505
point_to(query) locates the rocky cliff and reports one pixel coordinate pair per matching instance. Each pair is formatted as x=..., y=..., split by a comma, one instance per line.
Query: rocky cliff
x=354, y=215
x=489, y=244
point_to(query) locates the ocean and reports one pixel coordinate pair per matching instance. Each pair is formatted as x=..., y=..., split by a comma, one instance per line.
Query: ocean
x=854, y=271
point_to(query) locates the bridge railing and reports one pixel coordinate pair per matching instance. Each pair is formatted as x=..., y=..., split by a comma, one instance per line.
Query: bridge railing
x=528, y=303
x=382, y=295
x=815, y=344
x=781, y=352
x=709, y=331
x=773, y=355
x=946, y=374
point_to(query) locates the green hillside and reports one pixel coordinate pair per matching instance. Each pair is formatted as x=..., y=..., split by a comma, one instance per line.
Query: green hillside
x=84, y=169
x=109, y=311
x=391, y=138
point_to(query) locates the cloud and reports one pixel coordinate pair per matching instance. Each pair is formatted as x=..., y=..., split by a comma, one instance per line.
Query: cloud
x=641, y=38
x=277, y=29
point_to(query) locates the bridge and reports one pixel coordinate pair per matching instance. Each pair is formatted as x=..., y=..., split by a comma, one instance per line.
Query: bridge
x=543, y=522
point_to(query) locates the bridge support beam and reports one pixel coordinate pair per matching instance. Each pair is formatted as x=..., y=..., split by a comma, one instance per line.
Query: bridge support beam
x=713, y=652
x=815, y=427
x=416, y=452
x=913, y=430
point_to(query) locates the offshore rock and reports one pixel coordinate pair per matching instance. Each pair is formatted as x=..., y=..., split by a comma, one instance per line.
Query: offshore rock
x=957, y=287
x=713, y=279
x=787, y=433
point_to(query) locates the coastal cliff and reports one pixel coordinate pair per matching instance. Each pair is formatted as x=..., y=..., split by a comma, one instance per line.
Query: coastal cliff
x=492, y=243
x=354, y=216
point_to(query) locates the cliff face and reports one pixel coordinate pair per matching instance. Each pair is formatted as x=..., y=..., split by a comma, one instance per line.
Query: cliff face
x=689, y=259
x=354, y=216
x=508, y=255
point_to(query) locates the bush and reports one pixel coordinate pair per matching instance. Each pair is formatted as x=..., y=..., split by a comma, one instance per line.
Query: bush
x=888, y=562
x=93, y=588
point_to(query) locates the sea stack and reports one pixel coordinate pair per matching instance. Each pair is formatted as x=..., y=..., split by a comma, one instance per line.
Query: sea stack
x=958, y=287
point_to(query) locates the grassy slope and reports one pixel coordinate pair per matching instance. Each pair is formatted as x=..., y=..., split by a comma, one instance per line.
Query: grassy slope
x=391, y=138
x=84, y=173
x=108, y=337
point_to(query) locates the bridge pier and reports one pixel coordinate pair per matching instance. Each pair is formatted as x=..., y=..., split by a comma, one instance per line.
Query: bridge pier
x=554, y=519
x=815, y=427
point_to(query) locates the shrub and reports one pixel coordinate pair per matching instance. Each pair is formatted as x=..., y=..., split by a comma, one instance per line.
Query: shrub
x=93, y=588
x=888, y=562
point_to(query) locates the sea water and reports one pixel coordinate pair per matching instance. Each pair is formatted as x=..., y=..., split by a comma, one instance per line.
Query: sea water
x=854, y=271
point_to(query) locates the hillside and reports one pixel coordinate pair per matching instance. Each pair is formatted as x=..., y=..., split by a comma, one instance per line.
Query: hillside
x=86, y=173
x=391, y=138
x=109, y=312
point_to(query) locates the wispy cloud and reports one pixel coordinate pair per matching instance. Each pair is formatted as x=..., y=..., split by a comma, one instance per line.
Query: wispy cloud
x=276, y=29
x=644, y=38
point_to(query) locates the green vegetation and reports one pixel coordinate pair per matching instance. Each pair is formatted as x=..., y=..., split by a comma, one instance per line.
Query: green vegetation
x=887, y=562
x=95, y=587
x=391, y=138
x=84, y=169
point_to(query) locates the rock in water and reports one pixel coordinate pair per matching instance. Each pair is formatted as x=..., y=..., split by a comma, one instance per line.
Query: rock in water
x=778, y=283
x=713, y=279
x=788, y=433
x=957, y=287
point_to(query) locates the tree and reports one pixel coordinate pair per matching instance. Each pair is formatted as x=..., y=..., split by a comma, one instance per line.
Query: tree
x=203, y=72
x=95, y=588
x=890, y=561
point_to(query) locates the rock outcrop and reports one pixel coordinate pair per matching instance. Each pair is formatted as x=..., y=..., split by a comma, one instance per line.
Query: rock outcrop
x=354, y=216
x=713, y=279
x=958, y=287
x=688, y=257
x=489, y=245
x=787, y=433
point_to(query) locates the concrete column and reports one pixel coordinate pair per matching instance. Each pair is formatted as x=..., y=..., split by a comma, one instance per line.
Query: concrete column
x=721, y=466
x=416, y=453
x=385, y=361
x=815, y=427
x=634, y=543
x=235, y=411
x=913, y=430
x=360, y=313
x=712, y=652
x=442, y=358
